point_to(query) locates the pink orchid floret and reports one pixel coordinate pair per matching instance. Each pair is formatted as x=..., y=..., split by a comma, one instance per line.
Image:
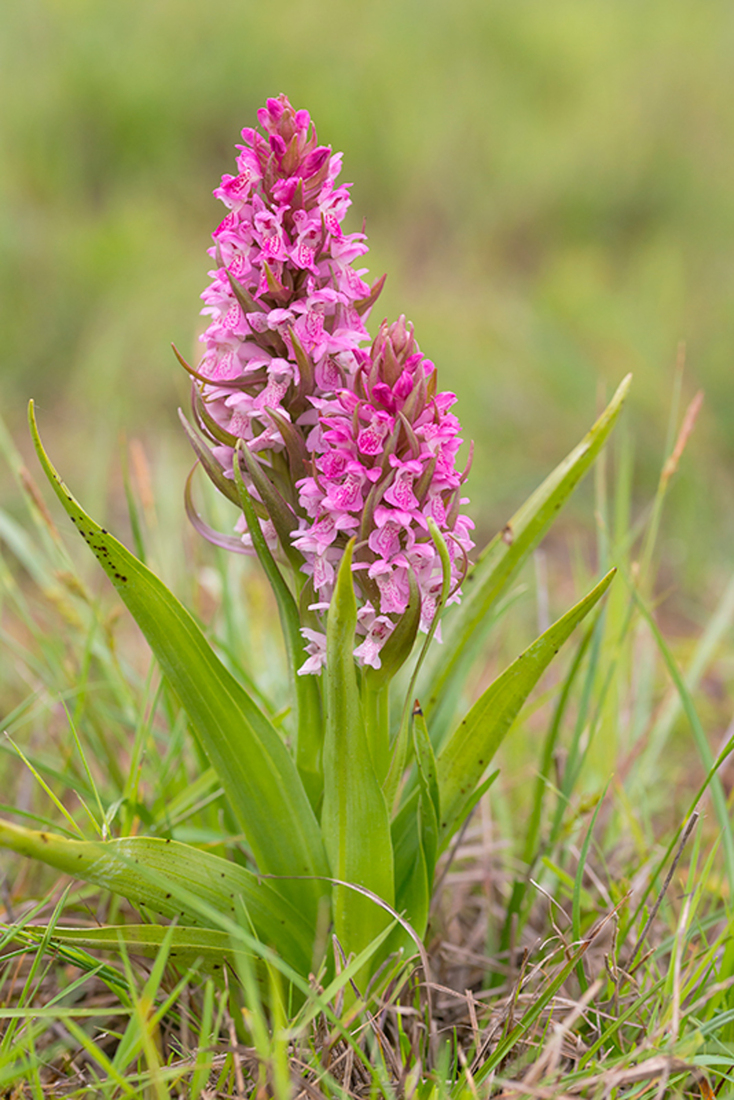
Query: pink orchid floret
x=358, y=442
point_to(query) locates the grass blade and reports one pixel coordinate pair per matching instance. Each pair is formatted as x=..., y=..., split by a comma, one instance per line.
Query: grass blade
x=718, y=795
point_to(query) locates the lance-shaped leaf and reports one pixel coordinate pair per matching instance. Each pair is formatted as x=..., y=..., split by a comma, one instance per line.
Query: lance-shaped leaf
x=425, y=760
x=354, y=820
x=255, y=769
x=416, y=847
x=413, y=884
x=471, y=747
x=412, y=846
x=117, y=865
x=465, y=628
x=306, y=689
x=186, y=944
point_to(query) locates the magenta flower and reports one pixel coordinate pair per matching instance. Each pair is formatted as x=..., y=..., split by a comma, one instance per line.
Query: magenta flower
x=385, y=463
x=356, y=442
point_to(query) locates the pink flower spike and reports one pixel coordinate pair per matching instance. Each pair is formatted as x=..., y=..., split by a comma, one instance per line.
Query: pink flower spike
x=354, y=433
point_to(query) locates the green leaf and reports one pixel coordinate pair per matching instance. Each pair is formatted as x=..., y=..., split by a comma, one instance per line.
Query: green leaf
x=578, y=888
x=422, y=835
x=425, y=758
x=465, y=628
x=305, y=688
x=167, y=865
x=255, y=769
x=187, y=943
x=470, y=749
x=412, y=884
x=354, y=821
x=429, y=808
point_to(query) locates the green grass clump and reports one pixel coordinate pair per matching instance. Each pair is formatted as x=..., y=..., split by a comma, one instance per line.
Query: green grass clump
x=580, y=939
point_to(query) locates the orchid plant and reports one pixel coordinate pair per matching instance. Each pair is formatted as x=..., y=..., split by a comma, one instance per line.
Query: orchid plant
x=340, y=452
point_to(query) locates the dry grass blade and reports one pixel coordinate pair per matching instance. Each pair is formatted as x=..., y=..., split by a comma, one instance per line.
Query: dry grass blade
x=547, y=1063
x=659, y=1066
x=663, y=891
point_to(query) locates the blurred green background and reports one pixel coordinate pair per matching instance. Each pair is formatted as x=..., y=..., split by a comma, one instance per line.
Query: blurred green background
x=550, y=187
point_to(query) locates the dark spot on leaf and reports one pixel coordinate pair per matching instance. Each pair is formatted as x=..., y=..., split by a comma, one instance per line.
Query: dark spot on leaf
x=44, y=838
x=168, y=895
